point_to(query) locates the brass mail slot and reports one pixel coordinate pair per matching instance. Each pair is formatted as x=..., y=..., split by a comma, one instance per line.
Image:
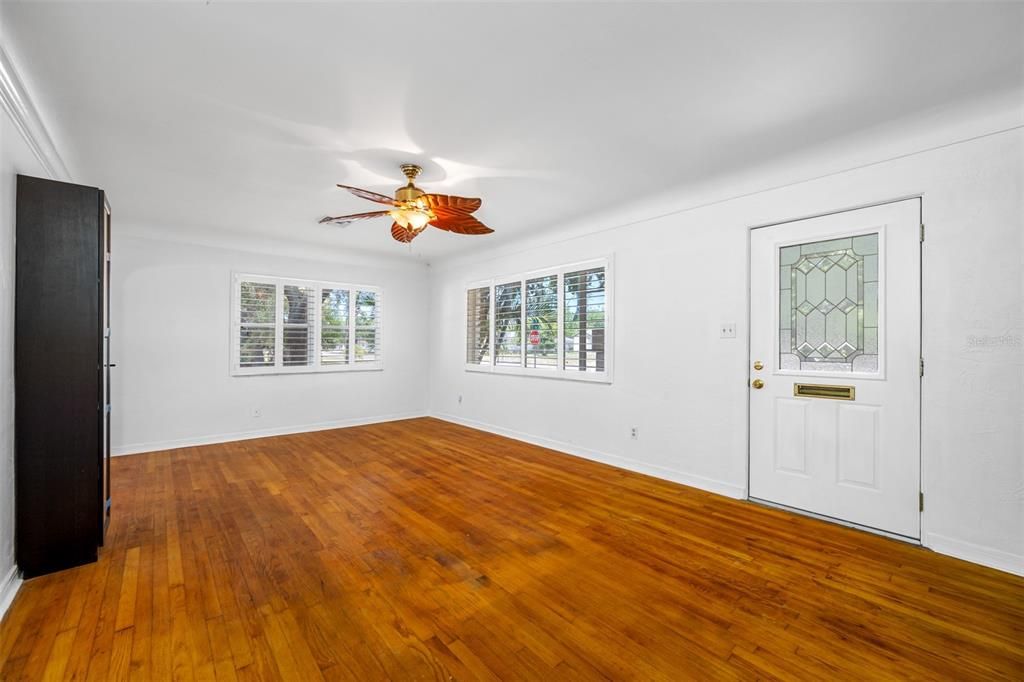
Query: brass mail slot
x=823, y=391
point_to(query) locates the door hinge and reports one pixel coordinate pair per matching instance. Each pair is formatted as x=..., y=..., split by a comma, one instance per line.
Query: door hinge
x=922, y=231
x=921, y=367
x=920, y=501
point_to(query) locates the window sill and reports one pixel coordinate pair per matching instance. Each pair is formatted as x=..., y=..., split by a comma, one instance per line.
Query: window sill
x=276, y=371
x=604, y=377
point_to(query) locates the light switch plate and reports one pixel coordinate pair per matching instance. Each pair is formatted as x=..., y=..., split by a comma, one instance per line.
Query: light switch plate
x=727, y=330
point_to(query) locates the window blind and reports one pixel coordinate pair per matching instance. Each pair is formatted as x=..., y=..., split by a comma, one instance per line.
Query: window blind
x=478, y=326
x=334, y=332
x=286, y=325
x=257, y=337
x=542, y=321
x=584, y=320
x=367, y=330
x=554, y=322
x=508, y=323
x=297, y=346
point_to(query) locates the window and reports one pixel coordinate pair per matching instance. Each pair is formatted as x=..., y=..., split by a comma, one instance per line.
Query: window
x=257, y=306
x=334, y=331
x=282, y=326
x=297, y=320
x=478, y=326
x=542, y=321
x=367, y=330
x=554, y=322
x=508, y=323
x=584, y=320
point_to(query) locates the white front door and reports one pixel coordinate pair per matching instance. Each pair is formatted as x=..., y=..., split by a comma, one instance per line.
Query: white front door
x=835, y=324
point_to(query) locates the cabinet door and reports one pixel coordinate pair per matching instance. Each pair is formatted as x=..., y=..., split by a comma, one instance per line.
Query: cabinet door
x=58, y=375
x=105, y=304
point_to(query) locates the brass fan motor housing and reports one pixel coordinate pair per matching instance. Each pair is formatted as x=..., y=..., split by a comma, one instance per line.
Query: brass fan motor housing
x=410, y=192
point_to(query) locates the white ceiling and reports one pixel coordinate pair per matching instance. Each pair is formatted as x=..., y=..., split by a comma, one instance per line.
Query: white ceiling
x=242, y=117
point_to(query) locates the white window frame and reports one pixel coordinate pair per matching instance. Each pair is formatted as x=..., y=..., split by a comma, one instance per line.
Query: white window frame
x=315, y=367
x=559, y=371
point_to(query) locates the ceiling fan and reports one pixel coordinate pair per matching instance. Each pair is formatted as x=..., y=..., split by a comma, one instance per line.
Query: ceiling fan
x=412, y=210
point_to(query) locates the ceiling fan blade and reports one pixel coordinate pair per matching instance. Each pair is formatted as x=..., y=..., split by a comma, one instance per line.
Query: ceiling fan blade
x=450, y=203
x=344, y=219
x=402, y=234
x=459, y=223
x=372, y=196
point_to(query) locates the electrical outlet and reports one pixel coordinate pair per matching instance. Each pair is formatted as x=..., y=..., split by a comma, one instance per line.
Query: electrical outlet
x=634, y=432
x=257, y=412
x=727, y=330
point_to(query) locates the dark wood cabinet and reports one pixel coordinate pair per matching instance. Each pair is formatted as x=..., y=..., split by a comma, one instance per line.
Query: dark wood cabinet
x=61, y=374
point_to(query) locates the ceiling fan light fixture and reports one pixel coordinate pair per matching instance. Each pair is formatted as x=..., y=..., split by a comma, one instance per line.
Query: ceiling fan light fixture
x=411, y=218
x=413, y=210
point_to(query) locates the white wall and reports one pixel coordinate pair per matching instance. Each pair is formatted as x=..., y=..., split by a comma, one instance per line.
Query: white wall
x=15, y=157
x=170, y=339
x=690, y=399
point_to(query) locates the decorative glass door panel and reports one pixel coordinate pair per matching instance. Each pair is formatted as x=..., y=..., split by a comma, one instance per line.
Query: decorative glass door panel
x=828, y=305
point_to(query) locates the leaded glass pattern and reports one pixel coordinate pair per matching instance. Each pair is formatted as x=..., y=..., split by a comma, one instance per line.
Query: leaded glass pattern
x=828, y=299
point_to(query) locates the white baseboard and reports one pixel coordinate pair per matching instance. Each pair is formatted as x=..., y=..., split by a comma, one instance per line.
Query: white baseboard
x=9, y=586
x=976, y=554
x=692, y=480
x=211, y=439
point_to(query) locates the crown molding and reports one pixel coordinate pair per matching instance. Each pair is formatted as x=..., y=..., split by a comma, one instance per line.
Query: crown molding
x=18, y=104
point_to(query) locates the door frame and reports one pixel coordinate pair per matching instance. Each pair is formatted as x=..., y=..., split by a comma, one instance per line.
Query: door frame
x=920, y=349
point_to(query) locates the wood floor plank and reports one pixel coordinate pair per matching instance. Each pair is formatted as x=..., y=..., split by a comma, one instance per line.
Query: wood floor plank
x=424, y=550
x=125, y=617
x=29, y=657
x=57, y=660
x=121, y=655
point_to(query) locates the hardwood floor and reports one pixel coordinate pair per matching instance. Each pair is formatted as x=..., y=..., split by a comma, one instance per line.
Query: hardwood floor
x=424, y=550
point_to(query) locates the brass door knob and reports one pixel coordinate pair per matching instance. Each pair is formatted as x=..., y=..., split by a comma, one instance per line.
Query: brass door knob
x=757, y=383
x=758, y=365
